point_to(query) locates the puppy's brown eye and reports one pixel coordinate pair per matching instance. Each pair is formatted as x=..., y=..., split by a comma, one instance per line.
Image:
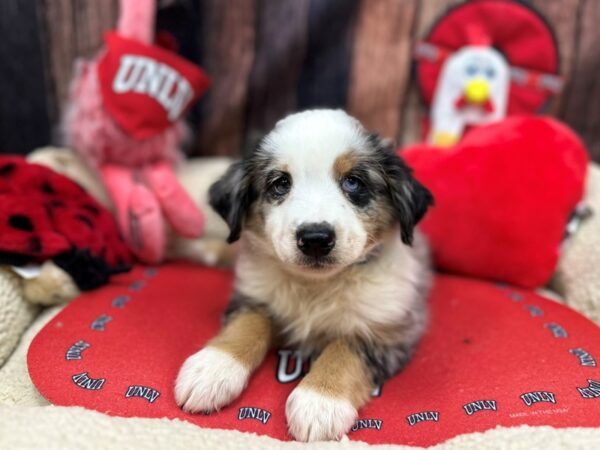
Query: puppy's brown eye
x=351, y=185
x=281, y=186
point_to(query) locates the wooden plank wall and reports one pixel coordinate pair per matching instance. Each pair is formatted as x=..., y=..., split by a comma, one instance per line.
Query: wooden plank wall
x=281, y=40
x=581, y=104
x=24, y=107
x=270, y=57
x=228, y=34
x=381, y=56
x=74, y=30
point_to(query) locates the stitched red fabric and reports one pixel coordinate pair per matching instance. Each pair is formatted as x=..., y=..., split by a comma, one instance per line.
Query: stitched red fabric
x=45, y=215
x=493, y=355
x=503, y=197
x=146, y=88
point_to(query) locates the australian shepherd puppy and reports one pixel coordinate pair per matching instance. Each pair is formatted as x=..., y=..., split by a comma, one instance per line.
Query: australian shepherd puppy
x=329, y=263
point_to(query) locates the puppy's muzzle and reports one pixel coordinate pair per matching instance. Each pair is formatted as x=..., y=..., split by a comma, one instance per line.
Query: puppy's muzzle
x=315, y=239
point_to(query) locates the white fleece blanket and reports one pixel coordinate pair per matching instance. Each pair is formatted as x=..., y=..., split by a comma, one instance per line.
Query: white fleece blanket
x=54, y=427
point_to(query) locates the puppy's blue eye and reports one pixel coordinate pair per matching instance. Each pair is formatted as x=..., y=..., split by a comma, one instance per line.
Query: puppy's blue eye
x=351, y=185
x=281, y=186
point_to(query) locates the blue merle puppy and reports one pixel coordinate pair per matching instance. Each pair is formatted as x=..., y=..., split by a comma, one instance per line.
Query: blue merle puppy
x=329, y=262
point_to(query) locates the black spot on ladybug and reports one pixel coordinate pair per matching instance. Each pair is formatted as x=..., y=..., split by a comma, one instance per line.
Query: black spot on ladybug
x=85, y=220
x=91, y=208
x=7, y=169
x=466, y=341
x=34, y=245
x=20, y=222
x=57, y=204
x=47, y=188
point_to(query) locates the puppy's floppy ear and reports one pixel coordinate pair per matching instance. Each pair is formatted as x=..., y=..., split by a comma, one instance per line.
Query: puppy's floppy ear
x=410, y=199
x=231, y=197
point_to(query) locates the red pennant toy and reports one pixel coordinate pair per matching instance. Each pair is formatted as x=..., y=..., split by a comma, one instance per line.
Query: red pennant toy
x=146, y=88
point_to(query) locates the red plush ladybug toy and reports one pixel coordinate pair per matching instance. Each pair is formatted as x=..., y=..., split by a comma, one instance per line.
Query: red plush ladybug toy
x=44, y=215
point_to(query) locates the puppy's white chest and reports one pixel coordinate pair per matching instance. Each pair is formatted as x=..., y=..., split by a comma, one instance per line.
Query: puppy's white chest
x=311, y=314
x=365, y=301
x=315, y=316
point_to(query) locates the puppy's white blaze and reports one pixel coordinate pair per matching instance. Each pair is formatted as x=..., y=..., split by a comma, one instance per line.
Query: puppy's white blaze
x=312, y=416
x=316, y=136
x=209, y=380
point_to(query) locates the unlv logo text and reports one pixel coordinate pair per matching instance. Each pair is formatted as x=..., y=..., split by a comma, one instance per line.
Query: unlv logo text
x=121, y=301
x=259, y=414
x=529, y=398
x=74, y=351
x=425, y=416
x=100, y=323
x=557, y=330
x=291, y=366
x=591, y=391
x=585, y=359
x=361, y=424
x=85, y=382
x=480, y=405
x=164, y=84
x=144, y=392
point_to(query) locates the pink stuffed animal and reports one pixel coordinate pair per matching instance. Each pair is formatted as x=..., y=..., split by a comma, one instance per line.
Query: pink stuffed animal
x=124, y=119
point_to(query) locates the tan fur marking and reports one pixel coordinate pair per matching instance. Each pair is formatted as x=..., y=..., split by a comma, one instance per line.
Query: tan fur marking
x=246, y=337
x=378, y=218
x=340, y=373
x=344, y=163
x=377, y=222
x=226, y=253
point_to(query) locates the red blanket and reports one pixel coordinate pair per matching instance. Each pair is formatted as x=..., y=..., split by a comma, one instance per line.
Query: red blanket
x=493, y=355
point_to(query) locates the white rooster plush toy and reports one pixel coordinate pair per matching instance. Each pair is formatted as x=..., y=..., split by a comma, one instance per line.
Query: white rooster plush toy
x=475, y=67
x=473, y=90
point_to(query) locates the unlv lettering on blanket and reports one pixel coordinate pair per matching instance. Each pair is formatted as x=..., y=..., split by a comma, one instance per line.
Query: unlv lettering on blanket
x=164, y=84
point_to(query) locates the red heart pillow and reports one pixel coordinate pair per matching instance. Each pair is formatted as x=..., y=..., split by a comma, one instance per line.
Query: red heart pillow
x=503, y=197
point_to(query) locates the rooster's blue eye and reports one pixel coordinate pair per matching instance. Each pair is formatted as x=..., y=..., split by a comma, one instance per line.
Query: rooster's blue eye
x=490, y=72
x=471, y=70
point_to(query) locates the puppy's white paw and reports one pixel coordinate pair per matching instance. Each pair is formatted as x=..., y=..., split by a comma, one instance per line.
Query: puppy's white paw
x=316, y=417
x=209, y=380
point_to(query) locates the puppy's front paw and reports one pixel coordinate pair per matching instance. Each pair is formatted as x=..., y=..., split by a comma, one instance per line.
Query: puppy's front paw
x=312, y=416
x=209, y=380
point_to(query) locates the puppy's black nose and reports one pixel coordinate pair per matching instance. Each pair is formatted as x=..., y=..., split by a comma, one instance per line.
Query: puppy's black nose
x=315, y=239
